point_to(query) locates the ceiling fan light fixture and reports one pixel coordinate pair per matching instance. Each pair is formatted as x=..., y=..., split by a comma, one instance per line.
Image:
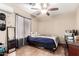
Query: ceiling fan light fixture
x=43, y=11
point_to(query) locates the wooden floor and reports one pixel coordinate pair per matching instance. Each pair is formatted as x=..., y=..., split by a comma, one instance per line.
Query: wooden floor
x=32, y=51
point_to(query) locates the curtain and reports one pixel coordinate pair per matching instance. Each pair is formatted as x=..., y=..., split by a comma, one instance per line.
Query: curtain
x=23, y=26
x=27, y=27
x=19, y=27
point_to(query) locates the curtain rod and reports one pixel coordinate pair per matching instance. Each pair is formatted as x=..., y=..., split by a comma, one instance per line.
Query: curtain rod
x=23, y=16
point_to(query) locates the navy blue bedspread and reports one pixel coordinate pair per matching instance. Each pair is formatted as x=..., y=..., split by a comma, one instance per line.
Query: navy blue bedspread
x=47, y=42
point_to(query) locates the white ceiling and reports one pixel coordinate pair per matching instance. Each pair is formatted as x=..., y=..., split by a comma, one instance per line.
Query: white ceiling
x=63, y=8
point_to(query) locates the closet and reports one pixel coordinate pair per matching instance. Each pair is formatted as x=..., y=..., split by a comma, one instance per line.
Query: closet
x=23, y=25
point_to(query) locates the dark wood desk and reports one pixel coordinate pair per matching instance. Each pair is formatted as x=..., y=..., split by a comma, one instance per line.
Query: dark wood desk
x=72, y=49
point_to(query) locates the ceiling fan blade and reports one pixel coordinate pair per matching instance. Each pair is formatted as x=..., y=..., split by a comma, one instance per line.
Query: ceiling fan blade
x=35, y=8
x=53, y=9
x=31, y=4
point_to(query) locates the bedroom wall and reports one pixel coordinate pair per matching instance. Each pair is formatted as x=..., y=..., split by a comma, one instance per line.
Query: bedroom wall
x=58, y=24
x=77, y=17
x=34, y=25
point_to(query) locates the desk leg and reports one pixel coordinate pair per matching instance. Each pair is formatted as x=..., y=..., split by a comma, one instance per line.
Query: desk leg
x=65, y=50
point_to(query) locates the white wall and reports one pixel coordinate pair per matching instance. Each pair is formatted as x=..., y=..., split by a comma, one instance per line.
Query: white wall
x=77, y=17
x=35, y=23
x=58, y=24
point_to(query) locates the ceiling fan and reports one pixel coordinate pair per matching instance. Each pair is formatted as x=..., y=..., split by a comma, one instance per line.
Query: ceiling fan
x=39, y=8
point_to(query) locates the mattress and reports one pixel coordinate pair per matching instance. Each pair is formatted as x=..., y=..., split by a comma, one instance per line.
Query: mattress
x=49, y=42
x=54, y=38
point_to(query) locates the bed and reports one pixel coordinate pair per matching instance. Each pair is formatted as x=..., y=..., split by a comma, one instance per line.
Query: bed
x=50, y=43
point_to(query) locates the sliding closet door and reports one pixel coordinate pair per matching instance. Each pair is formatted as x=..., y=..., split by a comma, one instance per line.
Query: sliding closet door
x=20, y=30
x=27, y=27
